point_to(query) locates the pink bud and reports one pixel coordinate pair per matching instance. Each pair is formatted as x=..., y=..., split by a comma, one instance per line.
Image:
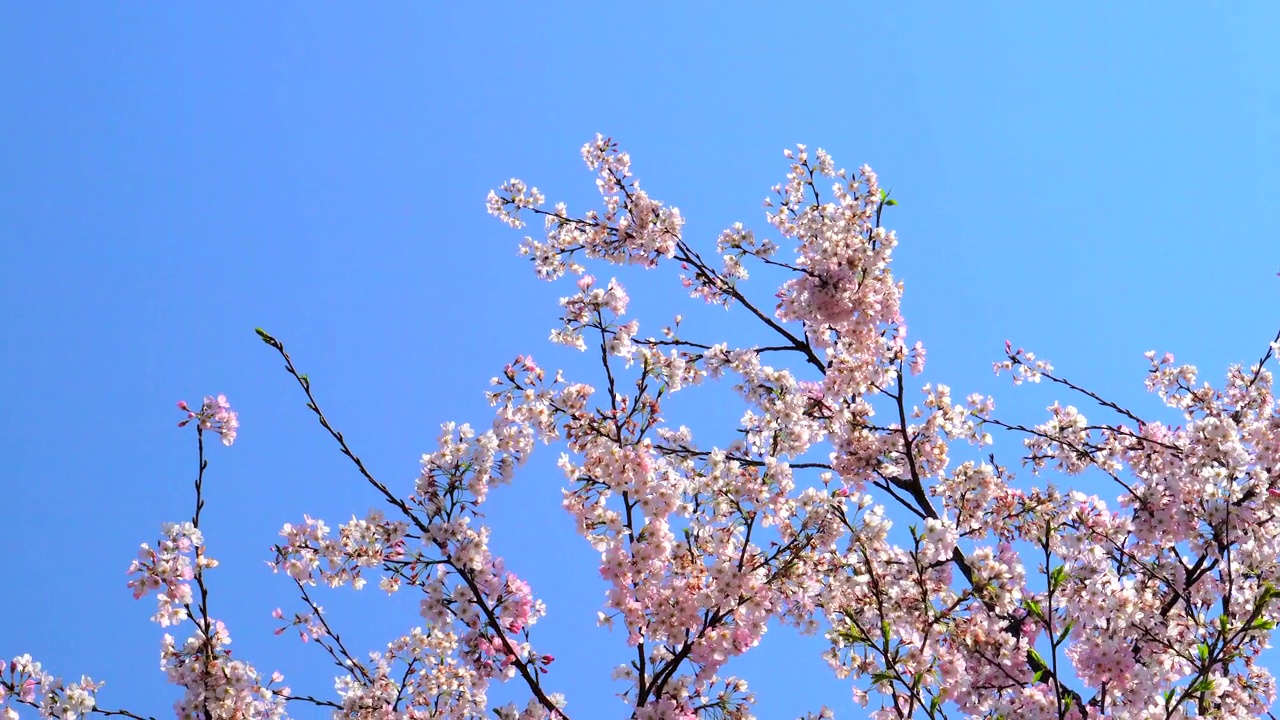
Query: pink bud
x=182, y=405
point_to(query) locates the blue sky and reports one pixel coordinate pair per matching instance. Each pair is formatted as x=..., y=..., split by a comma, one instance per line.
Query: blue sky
x=1089, y=182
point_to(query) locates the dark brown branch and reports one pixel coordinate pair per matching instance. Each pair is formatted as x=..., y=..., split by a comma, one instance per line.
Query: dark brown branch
x=491, y=619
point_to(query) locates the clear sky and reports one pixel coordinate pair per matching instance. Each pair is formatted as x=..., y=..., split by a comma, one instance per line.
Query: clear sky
x=1089, y=181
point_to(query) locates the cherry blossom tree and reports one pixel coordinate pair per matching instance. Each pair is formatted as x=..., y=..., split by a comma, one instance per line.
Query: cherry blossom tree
x=852, y=503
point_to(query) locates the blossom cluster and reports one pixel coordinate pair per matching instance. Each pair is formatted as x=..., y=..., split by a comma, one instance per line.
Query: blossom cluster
x=215, y=414
x=25, y=681
x=169, y=569
x=632, y=228
x=215, y=684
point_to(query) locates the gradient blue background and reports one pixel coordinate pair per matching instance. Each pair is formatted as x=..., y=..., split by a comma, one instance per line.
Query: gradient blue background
x=1088, y=182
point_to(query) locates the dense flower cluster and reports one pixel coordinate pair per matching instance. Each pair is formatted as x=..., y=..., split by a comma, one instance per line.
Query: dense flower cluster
x=1004, y=599
x=215, y=684
x=169, y=569
x=1000, y=598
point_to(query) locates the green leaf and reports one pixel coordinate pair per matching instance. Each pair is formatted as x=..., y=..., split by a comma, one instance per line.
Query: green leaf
x=1203, y=651
x=1268, y=591
x=1033, y=607
x=882, y=677
x=1057, y=577
x=267, y=338
x=890, y=203
x=852, y=635
x=1062, y=636
x=1203, y=685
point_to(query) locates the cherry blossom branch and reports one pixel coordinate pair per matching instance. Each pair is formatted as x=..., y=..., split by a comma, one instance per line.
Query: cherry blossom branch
x=491, y=620
x=14, y=693
x=703, y=346
x=915, y=486
x=202, y=621
x=1271, y=350
x=736, y=457
x=338, y=651
x=689, y=255
x=1257, y=371
x=1016, y=359
x=307, y=699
